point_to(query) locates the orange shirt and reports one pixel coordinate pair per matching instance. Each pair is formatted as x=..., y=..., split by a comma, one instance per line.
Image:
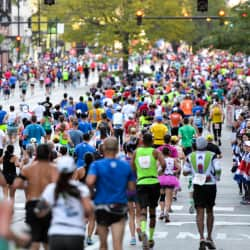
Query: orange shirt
x=175, y=119
x=187, y=106
x=109, y=93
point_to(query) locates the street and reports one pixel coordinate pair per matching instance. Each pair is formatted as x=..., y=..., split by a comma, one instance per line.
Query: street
x=232, y=220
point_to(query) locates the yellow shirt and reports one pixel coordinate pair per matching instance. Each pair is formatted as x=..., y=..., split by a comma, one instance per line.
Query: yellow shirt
x=217, y=115
x=158, y=131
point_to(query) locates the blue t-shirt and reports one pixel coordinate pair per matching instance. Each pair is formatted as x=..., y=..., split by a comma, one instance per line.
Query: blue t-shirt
x=34, y=131
x=112, y=177
x=82, y=106
x=197, y=108
x=85, y=127
x=80, y=151
x=2, y=115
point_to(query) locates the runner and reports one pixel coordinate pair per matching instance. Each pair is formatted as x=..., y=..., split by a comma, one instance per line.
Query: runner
x=34, y=179
x=144, y=163
x=205, y=171
x=70, y=204
x=111, y=177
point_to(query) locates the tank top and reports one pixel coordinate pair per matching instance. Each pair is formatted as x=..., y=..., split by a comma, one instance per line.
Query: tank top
x=217, y=115
x=169, y=166
x=146, y=166
x=9, y=167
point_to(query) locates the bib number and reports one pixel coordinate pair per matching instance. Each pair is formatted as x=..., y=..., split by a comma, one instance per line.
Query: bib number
x=144, y=162
x=199, y=179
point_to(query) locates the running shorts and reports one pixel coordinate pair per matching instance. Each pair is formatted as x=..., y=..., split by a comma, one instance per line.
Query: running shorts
x=148, y=195
x=204, y=196
x=39, y=226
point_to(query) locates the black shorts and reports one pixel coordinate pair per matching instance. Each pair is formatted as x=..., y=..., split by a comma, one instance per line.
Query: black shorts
x=1, y=152
x=48, y=132
x=9, y=177
x=104, y=218
x=174, y=131
x=204, y=196
x=187, y=150
x=148, y=195
x=24, y=91
x=66, y=242
x=39, y=226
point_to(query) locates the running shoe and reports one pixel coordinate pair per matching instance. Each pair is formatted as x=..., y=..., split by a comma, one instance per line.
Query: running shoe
x=191, y=209
x=89, y=241
x=145, y=245
x=162, y=216
x=139, y=233
x=174, y=198
x=167, y=220
x=245, y=202
x=202, y=245
x=151, y=244
x=132, y=241
x=171, y=210
x=210, y=244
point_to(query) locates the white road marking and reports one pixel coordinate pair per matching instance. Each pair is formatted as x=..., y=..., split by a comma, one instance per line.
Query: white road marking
x=225, y=209
x=217, y=223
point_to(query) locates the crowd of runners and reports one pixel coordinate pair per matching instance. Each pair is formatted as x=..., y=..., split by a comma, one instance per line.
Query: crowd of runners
x=118, y=151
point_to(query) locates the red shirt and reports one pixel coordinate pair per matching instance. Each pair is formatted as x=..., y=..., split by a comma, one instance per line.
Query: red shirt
x=129, y=124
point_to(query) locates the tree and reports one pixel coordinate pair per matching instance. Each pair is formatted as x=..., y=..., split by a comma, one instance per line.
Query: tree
x=235, y=35
x=104, y=22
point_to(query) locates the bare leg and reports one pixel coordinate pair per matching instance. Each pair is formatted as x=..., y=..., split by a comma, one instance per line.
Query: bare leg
x=103, y=234
x=6, y=191
x=210, y=222
x=200, y=221
x=131, y=218
x=169, y=194
x=117, y=234
x=35, y=246
x=12, y=193
x=91, y=226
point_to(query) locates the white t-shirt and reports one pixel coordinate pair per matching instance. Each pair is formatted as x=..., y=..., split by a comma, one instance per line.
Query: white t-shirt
x=118, y=119
x=128, y=109
x=38, y=110
x=67, y=214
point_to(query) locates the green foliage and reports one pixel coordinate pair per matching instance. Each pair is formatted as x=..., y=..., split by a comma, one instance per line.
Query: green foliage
x=103, y=22
x=234, y=36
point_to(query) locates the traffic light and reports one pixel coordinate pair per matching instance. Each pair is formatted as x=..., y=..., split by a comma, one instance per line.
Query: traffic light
x=49, y=2
x=18, y=43
x=221, y=15
x=29, y=23
x=202, y=5
x=244, y=14
x=139, y=15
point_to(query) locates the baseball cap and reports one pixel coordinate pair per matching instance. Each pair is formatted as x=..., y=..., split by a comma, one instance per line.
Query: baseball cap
x=118, y=108
x=174, y=138
x=175, y=109
x=247, y=143
x=201, y=143
x=159, y=118
x=66, y=165
x=209, y=137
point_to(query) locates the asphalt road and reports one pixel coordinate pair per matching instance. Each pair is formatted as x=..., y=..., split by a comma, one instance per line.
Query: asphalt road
x=232, y=220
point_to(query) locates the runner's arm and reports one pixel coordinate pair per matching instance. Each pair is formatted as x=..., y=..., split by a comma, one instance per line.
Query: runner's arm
x=158, y=155
x=133, y=166
x=2, y=180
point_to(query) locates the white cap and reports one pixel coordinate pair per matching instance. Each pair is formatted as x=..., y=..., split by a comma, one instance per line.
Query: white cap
x=118, y=108
x=247, y=143
x=66, y=165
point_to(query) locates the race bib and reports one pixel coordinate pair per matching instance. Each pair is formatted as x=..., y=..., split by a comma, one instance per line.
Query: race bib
x=144, y=161
x=199, y=179
x=217, y=126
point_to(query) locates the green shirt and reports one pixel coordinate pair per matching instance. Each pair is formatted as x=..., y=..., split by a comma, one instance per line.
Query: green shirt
x=146, y=167
x=187, y=132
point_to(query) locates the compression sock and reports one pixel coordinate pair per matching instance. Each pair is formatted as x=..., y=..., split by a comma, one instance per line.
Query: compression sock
x=151, y=233
x=143, y=226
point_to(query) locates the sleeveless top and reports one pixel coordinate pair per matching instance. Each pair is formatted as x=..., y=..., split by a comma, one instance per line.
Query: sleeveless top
x=9, y=167
x=217, y=115
x=146, y=166
x=169, y=166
